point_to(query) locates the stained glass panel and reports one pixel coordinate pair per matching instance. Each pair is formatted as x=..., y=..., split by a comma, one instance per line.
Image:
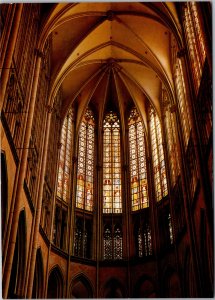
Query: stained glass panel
x=195, y=41
x=138, y=171
x=84, y=195
x=112, y=202
x=65, y=158
x=159, y=168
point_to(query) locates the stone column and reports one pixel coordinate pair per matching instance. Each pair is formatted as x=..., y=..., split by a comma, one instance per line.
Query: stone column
x=11, y=241
x=9, y=54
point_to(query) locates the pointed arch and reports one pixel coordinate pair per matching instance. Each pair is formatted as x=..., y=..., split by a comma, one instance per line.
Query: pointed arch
x=19, y=260
x=113, y=288
x=171, y=283
x=4, y=193
x=38, y=276
x=55, y=283
x=81, y=287
x=144, y=288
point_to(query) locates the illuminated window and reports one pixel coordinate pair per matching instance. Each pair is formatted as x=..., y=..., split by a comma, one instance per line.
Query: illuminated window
x=158, y=156
x=137, y=153
x=170, y=229
x=182, y=101
x=112, y=242
x=107, y=243
x=144, y=241
x=195, y=40
x=112, y=202
x=171, y=141
x=117, y=243
x=84, y=196
x=65, y=158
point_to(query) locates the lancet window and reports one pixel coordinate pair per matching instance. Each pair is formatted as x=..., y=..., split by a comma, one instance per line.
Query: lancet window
x=84, y=196
x=195, y=41
x=138, y=168
x=159, y=168
x=112, y=199
x=112, y=242
x=65, y=158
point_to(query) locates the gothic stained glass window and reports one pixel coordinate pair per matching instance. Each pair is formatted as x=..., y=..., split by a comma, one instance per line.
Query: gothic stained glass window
x=159, y=168
x=182, y=102
x=138, y=170
x=117, y=243
x=172, y=141
x=84, y=196
x=65, y=158
x=195, y=41
x=113, y=242
x=170, y=229
x=144, y=241
x=112, y=202
x=107, y=243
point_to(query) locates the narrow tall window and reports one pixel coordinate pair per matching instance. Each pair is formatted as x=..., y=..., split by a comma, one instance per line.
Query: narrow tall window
x=170, y=229
x=112, y=202
x=65, y=158
x=171, y=141
x=84, y=196
x=117, y=243
x=158, y=156
x=107, y=243
x=144, y=241
x=138, y=170
x=182, y=101
x=195, y=41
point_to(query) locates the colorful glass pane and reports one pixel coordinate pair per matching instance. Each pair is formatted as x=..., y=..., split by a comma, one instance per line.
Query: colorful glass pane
x=139, y=184
x=84, y=195
x=112, y=202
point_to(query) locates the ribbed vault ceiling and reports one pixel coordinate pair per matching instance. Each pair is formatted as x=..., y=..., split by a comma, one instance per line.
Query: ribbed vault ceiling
x=112, y=55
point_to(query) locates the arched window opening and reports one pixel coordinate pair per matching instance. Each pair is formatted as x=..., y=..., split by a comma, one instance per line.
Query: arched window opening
x=107, y=243
x=171, y=132
x=37, y=291
x=82, y=240
x=159, y=168
x=65, y=158
x=81, y=288
x=144, y=241
x=55, y=284
x=117, y=243
x=112, y=242
x=112, y=199
x=19, y=260
x=195, y=41
x=84, y=196
x=4, y=194
x=60, y=226
x=138, y=168
x=182, y=100
x=170, y=229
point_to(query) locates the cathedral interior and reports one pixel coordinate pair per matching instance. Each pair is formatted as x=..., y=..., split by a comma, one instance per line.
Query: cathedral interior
x=106, y=150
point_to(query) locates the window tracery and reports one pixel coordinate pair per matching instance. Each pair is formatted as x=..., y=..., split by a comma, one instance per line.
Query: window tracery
x=84, y=196
x=138, y=168
x=112, y=202
x=159, y=167
x=195, y=40
x=65, y=158
x=112, y=242
x=144, y=240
